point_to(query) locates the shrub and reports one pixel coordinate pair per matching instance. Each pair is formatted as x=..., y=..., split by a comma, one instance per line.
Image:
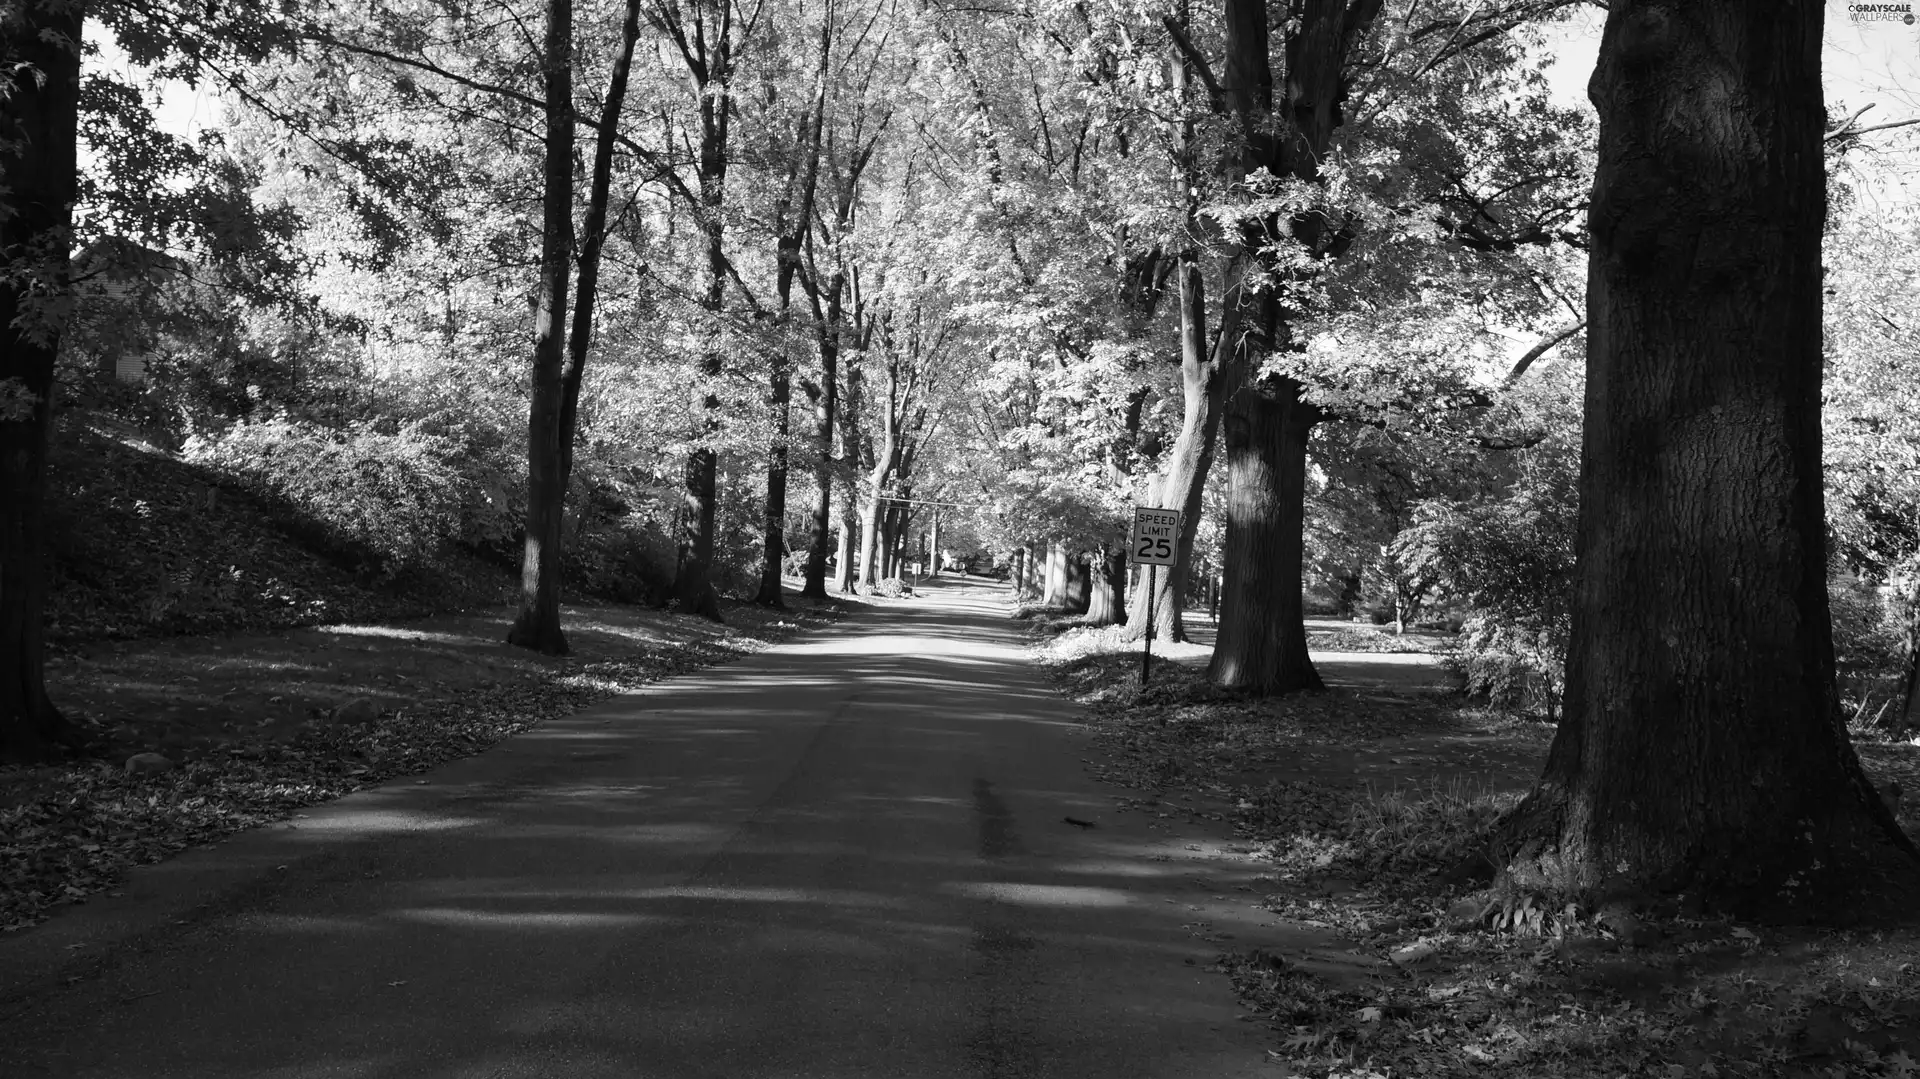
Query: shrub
x=1509, y=564
x=388, y=501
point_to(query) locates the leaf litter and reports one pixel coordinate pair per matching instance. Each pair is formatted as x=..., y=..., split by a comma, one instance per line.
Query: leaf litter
x=247, y=726
x=1363, y=808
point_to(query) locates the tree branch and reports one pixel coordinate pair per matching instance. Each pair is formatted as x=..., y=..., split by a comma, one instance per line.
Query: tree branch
x=1193, y=56
x=1526, y=360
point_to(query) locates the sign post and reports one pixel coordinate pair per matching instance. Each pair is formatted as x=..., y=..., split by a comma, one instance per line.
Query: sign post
x=1154, y=543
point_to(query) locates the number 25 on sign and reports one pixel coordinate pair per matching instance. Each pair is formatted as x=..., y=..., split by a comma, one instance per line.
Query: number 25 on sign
x=1156, y=535
x=1155, y=541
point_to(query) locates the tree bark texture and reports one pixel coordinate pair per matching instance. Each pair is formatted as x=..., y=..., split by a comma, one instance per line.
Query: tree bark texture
x=39, y=133
x=843, y=562
x=1077, y=596
x=1109, y=583
x=537, y=626
x=1055, y=594
x=1702, y=746
x=1262, y=645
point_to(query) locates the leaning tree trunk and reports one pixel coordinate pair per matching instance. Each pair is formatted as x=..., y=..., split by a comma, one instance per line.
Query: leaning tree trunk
x=1702, y=746
x=1205, y=375
x=537, y=626
x=1262, y=643
x=39, y=125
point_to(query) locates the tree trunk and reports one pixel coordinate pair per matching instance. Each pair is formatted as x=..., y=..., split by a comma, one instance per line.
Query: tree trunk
x=795, y=224
x=39, y=133
x=712, y=71
x=933, y=545
x=774, y=549
x=1054, y=589
x=843, y=562
x=890, y=541
x=824, y=406
x=883, y=461
x=870, y=548
x=1205, y=375
x=1109, y=570
x=1262, y=644
x=537, y=626
x=1702, y=746
x=1079, y=591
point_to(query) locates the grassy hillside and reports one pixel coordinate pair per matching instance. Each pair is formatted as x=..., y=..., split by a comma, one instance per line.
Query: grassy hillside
x=147, y=544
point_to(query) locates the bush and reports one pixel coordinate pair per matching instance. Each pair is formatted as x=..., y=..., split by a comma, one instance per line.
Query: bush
x=391, y=502
x=1509, y=565
x=1869, y=644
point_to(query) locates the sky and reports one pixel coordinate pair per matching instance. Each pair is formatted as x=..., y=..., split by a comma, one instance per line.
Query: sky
x=1863, y=62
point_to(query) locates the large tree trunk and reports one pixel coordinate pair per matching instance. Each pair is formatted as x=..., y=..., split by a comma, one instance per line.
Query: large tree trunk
x=933, y=545
x=1262, y=643
x=1055, y=587
x=39, y=132
x=1077, y=596
x=1109, y=583
x=1702, y=746
x=537, y=626
x=1262, y=637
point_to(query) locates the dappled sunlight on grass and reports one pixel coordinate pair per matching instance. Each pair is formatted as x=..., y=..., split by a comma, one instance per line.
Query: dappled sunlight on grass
x=402, y=633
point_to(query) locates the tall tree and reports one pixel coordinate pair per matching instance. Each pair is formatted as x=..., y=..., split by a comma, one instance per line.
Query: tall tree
x=560, y=353
x=537, y=626
x=39, y=125
x=707, y=38
x=793, y=223
x=1702, y=746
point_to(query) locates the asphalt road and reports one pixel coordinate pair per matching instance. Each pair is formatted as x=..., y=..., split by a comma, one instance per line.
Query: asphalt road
x=844, y=857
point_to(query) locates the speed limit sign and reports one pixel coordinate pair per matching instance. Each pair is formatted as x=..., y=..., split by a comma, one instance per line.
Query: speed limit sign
x=1156, y=536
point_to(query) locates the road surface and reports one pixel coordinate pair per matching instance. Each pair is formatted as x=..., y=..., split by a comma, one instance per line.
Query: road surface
x=843, y=858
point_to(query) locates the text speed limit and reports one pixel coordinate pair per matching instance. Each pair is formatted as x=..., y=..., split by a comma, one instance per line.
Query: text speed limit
x=1156, y=536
